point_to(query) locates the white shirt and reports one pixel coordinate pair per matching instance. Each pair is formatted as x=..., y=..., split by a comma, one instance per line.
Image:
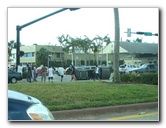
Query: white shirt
x=19, y=69
x=50, y=72
x=97, y=70
x=61, y=71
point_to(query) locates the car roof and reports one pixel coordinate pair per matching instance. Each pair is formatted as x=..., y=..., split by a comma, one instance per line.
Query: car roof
x=12, y=94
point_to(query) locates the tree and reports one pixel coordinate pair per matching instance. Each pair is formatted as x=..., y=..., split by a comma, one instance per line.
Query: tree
x=138, y=40
x=85, y=46
x=42, y=56
x=69, y=44
x=11, y=45
x=116, y=47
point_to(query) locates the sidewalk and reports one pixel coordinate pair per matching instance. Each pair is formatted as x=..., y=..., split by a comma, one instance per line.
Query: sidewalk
x=63, y=115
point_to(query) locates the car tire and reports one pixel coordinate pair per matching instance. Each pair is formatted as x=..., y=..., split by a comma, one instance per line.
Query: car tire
x=13, y=80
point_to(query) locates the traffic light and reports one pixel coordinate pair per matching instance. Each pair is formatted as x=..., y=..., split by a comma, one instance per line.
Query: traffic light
x=140, y=33
x=145, y=33
x=20, y=53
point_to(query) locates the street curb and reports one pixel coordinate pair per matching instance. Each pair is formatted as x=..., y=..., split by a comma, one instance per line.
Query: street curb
x=63, y=115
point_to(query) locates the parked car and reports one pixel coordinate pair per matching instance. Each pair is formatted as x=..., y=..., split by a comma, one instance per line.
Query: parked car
x=129, y=66
x=24, y=107
x=13, y=76
x=146, y=68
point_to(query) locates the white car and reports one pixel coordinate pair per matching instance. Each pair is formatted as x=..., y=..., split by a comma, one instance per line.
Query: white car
x=129, y=66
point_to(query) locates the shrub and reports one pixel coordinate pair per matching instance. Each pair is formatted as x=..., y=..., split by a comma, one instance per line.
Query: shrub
x=149, y=78
x=144, y=78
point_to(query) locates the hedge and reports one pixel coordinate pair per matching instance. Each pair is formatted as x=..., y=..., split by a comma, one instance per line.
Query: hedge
x=143, y=78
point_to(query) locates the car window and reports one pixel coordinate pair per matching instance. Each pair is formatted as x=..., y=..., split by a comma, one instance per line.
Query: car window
x=9, y=71
x=122, y=66
x=144, y=66
x=151, y=66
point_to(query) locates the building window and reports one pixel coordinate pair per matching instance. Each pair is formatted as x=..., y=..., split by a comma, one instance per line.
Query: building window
x=58, y=55
x=29, y=54
x=33, y=54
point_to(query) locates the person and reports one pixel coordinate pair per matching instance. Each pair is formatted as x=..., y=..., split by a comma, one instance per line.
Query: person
x=61, y=72
x=34, y=72
x=29, y=73
x=97, y=73
x=73, y=73
x=126, y=69
x=50, y=74
x=43, y=73
x=19, y=69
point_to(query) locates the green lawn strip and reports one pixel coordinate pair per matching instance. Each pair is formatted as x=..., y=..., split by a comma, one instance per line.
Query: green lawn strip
x=77, y=95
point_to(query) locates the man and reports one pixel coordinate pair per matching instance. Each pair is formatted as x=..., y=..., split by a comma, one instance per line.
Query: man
x=73, y=73
x=61, y=72
x=97, y=73
x=50, y=74
x=43, y=74
x=34, y=72
x=29, y=74
x=19, y=69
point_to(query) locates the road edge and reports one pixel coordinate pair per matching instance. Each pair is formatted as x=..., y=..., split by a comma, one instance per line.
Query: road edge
x=63, y=115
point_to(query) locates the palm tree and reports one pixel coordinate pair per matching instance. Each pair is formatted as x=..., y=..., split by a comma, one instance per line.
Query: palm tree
x=116, y=48
x=83, y=45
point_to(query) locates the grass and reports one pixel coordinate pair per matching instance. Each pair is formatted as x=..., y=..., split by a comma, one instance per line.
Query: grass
x=77, y=95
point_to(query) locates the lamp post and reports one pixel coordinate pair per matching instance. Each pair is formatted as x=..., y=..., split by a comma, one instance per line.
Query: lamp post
x=49, y=58
x=70, y=53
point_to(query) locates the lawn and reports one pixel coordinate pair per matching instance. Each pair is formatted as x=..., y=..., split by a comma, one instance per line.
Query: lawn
x=77, y=95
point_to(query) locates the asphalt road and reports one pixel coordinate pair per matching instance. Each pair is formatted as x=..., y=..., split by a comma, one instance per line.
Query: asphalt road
x=56, y=78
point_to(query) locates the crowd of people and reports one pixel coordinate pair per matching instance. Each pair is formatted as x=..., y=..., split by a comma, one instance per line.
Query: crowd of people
x=31, y=73
x=49, y=72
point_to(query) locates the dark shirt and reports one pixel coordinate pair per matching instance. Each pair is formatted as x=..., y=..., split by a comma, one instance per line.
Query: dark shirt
x=73, y=70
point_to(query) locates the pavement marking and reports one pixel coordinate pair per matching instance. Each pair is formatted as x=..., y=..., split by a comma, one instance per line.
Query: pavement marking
x=134, y=116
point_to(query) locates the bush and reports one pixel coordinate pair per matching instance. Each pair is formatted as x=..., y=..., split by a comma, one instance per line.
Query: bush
x=144, y=78
x=149, y=78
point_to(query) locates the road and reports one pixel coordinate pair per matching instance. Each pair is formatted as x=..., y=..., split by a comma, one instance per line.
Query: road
x=56, y=78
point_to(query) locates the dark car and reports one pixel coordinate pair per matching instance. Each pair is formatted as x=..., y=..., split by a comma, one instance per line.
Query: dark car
x=149, y=67
x=25, y=107
x=13, y=76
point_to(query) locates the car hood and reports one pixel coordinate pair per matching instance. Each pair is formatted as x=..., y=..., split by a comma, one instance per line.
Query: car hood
x=22, y=97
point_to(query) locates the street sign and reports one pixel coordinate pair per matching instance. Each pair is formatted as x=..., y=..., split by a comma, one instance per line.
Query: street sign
x=147, y=33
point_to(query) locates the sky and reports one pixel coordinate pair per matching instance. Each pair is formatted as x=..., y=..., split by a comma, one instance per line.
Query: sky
x=84, y=21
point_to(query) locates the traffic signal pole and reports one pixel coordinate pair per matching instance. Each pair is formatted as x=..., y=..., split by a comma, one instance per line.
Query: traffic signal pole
x=140, y=33
x=18, y=29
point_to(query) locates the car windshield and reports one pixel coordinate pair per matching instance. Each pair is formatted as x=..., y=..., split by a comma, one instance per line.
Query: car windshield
x=144, y=66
